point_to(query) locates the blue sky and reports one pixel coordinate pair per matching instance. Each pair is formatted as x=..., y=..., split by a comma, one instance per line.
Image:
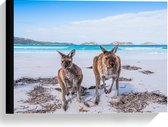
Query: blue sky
x=42, y=16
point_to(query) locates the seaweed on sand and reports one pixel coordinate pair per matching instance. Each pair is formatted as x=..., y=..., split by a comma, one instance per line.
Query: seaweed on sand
x=136, y=102
x=128, y=67
x=147, y=72
x=27, y=80
x=39, y=95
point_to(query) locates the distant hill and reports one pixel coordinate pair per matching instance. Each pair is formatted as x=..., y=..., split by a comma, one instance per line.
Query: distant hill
x=89, y=43
x=149, y=43
x=121, y=43
x=19, y=40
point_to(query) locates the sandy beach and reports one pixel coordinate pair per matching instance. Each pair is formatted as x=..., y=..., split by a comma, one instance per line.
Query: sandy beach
x=143, y=73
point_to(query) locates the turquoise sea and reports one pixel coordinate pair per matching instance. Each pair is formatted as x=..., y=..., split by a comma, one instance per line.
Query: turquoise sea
x=52, y=47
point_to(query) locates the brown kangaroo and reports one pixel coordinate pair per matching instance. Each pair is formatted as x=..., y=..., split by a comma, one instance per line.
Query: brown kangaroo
x=106, y=66
x=69, y=77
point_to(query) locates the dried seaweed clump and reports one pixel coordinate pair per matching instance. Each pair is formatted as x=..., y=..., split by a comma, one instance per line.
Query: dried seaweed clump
x=136, y=102
x=128, y=67
x=147, y=72
x=83, y=110
x=125, y=79
x=45, y=108
x=39, y=95
x=26, y=80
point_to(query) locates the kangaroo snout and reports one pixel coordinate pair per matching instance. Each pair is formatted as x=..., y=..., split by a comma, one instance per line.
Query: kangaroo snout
x=66, y=64
x=112, y=64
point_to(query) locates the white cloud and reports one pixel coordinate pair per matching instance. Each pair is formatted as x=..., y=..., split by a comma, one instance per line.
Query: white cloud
x=135, y=27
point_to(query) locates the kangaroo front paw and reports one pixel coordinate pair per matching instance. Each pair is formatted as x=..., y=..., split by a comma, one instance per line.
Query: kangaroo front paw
x=106, y=91
x=109, y=91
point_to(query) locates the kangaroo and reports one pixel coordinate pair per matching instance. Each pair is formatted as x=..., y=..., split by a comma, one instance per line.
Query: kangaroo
x=69, y=77
x=106, y=66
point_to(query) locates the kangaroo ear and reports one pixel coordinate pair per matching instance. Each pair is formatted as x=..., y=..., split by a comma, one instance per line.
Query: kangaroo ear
x=103, y=50
x=62, y=55
x=72, y=53
x=114, y=50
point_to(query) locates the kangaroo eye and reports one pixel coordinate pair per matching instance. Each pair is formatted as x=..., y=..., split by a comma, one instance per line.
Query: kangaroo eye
x=106, y=58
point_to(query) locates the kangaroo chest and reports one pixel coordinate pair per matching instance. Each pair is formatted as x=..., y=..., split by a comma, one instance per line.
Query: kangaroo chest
x=71, y=77
x=108, y=73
